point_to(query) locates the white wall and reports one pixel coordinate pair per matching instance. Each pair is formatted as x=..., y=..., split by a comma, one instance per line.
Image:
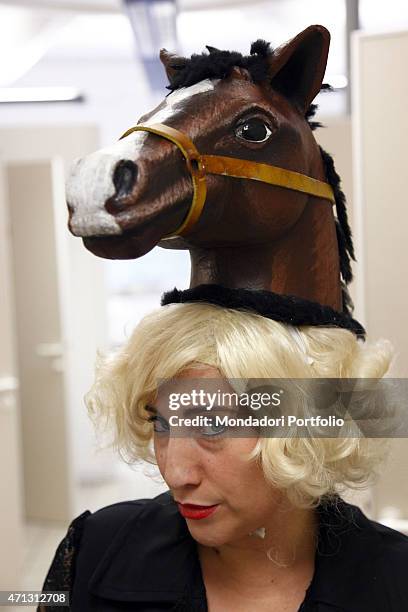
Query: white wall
x=380, y=167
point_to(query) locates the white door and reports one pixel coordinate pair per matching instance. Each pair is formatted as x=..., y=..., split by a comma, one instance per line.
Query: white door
x=11, y=506
x=81, y=283
x=33, y=189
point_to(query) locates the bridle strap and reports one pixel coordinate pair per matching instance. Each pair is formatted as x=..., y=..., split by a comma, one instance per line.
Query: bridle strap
x=200, y=165
x=241, y=168
x=194, y=165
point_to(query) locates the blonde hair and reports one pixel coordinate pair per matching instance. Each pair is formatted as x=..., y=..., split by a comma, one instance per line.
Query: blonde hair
x=241, y=344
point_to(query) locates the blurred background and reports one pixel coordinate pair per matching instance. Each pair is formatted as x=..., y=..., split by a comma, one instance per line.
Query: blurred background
x=74, y=75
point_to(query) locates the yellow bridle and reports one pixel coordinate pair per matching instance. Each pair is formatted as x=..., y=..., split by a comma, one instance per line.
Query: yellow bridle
x=200, y=165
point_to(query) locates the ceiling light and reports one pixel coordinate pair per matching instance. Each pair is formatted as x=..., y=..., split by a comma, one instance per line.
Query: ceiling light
x=12, y=95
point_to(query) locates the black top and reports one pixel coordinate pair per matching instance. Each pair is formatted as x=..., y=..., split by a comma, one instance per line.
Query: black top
x=139, y=555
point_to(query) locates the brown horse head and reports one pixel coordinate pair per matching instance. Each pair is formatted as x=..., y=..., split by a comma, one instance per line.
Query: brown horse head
x=126, y=199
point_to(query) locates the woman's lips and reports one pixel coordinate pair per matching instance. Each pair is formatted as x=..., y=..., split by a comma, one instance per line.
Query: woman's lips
x=192, y=511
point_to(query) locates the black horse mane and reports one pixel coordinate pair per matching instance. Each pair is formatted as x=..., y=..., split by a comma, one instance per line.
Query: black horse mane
x=217, y=64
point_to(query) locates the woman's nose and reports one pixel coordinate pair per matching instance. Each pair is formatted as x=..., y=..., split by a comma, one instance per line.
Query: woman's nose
x=181, y=466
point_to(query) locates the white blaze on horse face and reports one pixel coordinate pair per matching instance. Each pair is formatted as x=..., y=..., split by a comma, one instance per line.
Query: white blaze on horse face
x=90, y=182
x=174, y=99
x=90, y=185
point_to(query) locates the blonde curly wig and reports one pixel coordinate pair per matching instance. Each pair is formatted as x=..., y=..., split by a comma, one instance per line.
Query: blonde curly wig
x=241, y=344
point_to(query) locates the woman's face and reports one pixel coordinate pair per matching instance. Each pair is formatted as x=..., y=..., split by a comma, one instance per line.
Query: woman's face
x=209, y=470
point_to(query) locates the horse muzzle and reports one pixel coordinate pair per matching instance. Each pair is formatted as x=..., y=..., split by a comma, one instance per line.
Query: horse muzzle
x=106, y=176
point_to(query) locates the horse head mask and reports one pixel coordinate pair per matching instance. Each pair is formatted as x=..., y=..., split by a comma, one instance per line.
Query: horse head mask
x=227, y=167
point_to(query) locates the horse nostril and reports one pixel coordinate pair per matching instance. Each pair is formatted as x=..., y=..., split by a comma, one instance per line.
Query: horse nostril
x=124, y=177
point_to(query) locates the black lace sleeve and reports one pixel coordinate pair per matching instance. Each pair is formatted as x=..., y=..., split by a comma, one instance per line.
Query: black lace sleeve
x=60, y=576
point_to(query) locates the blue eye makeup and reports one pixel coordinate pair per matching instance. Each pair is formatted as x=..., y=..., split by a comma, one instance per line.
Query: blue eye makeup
x=160, y=425
x=213, y=430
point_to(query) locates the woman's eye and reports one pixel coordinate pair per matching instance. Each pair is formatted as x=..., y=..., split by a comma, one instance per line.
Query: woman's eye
x=160, y=425
x=253, y=130
x=213, y=430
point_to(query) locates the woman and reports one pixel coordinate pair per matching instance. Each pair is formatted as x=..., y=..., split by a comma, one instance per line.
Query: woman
x=248, y=523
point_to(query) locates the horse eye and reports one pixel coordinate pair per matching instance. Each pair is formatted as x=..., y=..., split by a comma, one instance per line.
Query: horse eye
x=253, y=130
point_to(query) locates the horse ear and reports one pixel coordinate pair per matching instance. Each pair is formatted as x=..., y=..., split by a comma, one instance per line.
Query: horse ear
x=297, y=68
x=211, y=49
x=171, y=62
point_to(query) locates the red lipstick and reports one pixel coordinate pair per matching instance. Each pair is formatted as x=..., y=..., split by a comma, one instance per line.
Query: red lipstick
x=192, y=511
